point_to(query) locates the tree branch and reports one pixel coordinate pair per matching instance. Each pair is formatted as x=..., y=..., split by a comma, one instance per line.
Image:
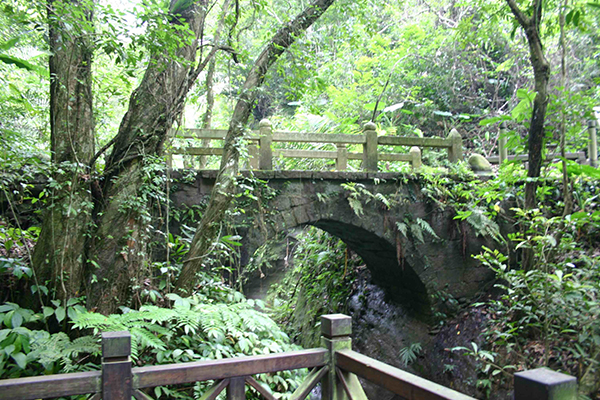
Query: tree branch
x=523, y=19
x=102, y=150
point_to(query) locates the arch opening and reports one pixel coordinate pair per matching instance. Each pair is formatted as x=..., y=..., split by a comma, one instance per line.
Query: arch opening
x=400, y=282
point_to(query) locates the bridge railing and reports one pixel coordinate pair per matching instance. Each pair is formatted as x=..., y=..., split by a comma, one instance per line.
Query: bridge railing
x=262, y=152
x=336, y=367
x=579, y=156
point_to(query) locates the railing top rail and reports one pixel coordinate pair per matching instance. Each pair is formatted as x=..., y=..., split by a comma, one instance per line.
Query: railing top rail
x=173, y=374
x=308, y=137
x=394, y=379
x=57, y=385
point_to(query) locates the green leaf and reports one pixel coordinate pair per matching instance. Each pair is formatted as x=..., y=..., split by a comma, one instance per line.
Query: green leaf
x=60, y=313
x=23, y=64
x=16, y=320
x=20, y=359
x=72, y=313
x=7, y=307
x=493, y=120
x=9, y=44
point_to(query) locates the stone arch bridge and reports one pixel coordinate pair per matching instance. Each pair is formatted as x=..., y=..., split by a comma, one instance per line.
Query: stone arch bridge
x=409, y=271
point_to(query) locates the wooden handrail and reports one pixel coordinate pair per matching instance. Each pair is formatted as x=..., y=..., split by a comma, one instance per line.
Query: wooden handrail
x=393, y=379
x=173, y=374
x=57, y=385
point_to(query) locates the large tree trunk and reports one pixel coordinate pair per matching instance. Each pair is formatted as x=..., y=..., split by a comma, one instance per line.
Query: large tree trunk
x=224, y=188
x=118, y=249
x=59, y=253
x=541, y=72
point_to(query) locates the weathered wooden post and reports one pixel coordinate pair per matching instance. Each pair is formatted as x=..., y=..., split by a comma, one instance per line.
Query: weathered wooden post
x=544, y=384
x=341, y=162
x=116, y=366
x=415, y=153
x=370, y=147
x=455, y=150
x=502, y=151
x=254, y=158
x=336, y=330
x=265, y=141
x=593, y=144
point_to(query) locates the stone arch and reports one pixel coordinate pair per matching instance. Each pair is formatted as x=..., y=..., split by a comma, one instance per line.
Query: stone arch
x=320, y=199
x=367, y=236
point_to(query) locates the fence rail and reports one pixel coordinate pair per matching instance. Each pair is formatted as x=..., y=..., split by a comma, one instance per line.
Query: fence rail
x=262, y=153
x=336, y=367
x=580, y=157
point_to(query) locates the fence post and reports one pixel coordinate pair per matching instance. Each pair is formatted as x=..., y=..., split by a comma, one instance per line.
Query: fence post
x=253, y=155
x=116, y=366
x=502, y=151
x=336, y=330
x=544, y=384
x=341, y=162
x=593, y=144
x=415, y=153
x=370, y=147
x=266, y=138
x=455, y=150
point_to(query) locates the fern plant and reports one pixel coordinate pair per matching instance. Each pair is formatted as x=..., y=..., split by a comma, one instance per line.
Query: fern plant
x=196, y=328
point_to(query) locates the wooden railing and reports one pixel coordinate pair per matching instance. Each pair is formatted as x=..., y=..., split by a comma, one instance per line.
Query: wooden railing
x=579, y=156
x=336, y=367
x=261, y=151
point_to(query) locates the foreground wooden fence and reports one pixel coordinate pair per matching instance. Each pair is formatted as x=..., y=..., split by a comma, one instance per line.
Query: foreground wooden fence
x=335, y=366
x=261, y=151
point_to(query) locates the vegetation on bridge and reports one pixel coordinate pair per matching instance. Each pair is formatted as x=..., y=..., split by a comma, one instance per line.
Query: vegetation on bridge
x=90, y=90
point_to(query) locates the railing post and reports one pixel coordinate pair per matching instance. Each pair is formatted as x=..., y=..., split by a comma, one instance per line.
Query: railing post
x=455, y=150
x=253, y=154
x=502, y=151
x=336, y=330
x=341, y=162
x=116, y=366
x=593, y=144
x=370, y=147
x=544, y=384
x=266, y=139
x=415, y=153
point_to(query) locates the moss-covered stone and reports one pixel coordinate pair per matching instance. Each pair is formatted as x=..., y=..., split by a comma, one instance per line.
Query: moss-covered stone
x=479, y=163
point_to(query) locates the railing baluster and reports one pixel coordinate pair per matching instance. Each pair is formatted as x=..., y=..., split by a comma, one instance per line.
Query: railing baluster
x=415, y=152
x=370, y=148
x=116, y=366
x=544, y=384
x=455, y=152
x=502, y=150
x=341, y=162
x=236, y=390
x=266, y=139
x=253, y=155
x=593, y=144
